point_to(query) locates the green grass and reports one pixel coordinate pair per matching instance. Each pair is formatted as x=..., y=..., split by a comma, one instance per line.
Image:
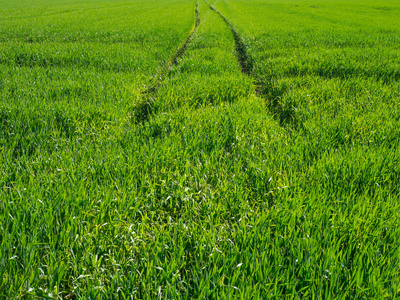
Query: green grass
x=209, y=73
x=282, y=183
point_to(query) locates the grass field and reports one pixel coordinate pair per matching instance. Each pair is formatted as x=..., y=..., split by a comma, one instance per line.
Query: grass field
x=174, y=149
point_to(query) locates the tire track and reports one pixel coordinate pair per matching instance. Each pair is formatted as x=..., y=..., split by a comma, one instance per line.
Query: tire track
x=245, y=60
x=144, y=107
x=286, y=116
x=179, y=53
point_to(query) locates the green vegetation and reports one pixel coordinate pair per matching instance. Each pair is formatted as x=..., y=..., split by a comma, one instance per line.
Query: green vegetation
x=159, y=149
